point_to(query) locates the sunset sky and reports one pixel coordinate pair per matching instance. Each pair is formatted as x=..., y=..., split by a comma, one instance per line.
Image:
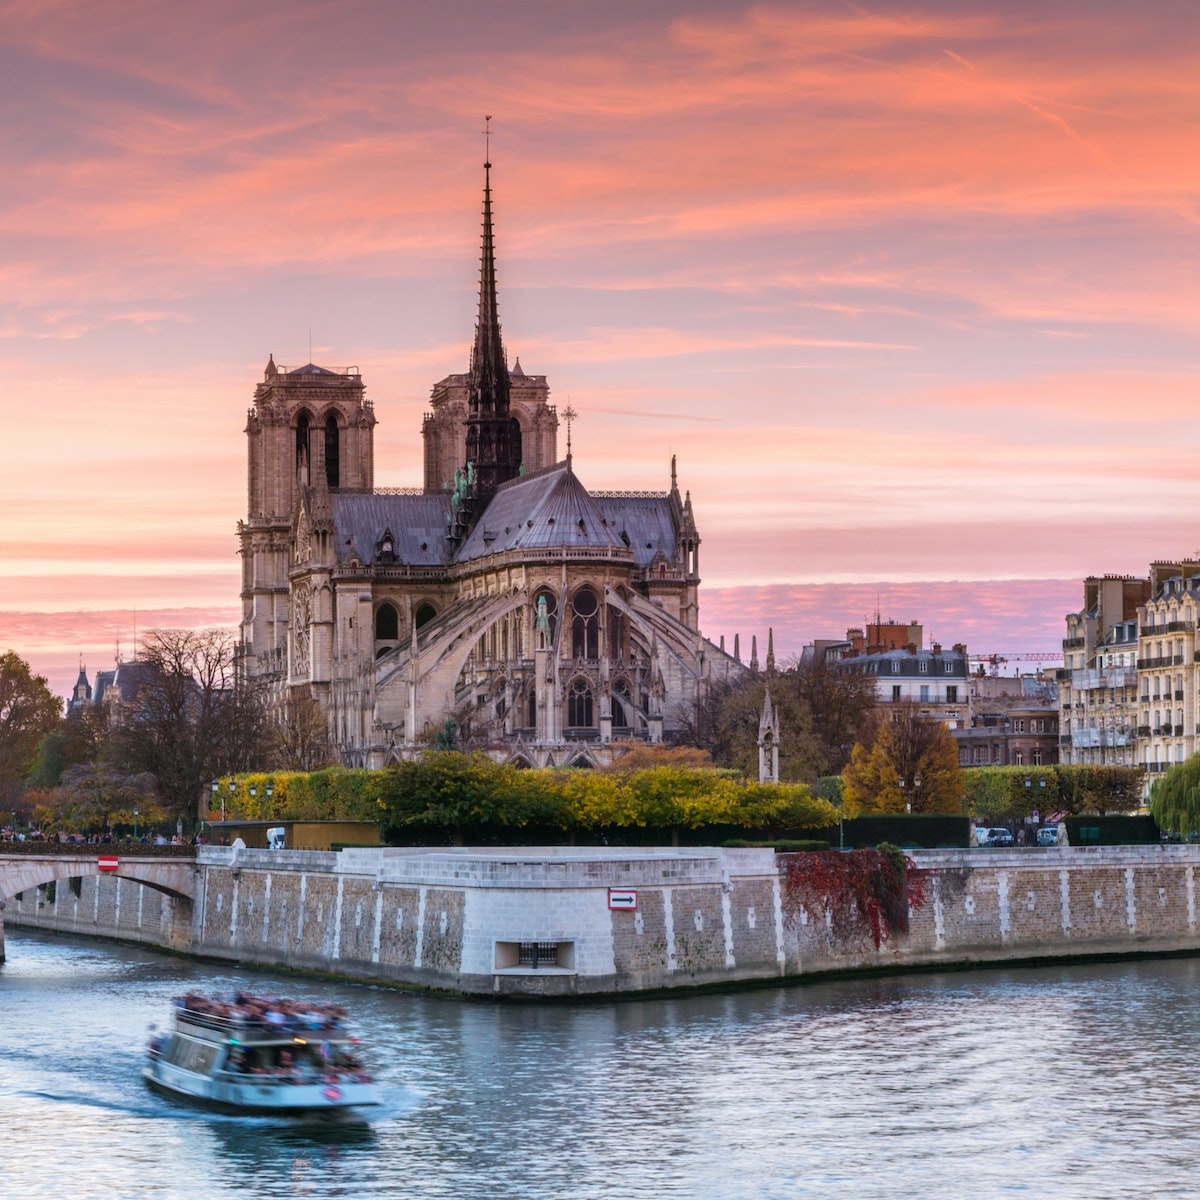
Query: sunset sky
x=909, y=289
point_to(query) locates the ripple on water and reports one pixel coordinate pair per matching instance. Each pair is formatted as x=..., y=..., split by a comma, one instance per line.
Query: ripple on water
x=1058, y=1083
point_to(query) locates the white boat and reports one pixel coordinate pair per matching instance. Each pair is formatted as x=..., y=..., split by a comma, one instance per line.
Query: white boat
x=260, y=1056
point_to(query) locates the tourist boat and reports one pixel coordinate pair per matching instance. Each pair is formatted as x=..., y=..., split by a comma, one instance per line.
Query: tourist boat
x=260, y=1056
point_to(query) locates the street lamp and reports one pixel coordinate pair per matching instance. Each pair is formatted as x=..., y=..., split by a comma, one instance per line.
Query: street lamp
x=232, y=789
x=216, y=787
x=135, y=817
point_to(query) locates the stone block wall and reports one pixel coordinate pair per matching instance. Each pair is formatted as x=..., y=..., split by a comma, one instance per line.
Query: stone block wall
x=451, y=919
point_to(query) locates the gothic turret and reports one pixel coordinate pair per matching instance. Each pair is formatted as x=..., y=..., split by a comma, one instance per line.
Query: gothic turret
x=493, y=437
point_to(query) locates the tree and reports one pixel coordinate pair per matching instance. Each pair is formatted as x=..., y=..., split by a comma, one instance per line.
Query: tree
x=28, y=711
x=299, y=739
x=192, y=718
x=822, y=713
x=1175, y=798
x=95, y=796
x=911, y=763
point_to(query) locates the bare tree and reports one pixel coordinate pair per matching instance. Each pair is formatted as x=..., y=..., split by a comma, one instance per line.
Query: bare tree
x=300, y=735
x=192, y=717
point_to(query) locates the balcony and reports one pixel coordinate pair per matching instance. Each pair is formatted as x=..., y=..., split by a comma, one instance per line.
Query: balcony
x=1178, y=731
x=1166, y=660
x=1150, y=631
x=1143, y=731
x=1063, y=674
x=1074, y=643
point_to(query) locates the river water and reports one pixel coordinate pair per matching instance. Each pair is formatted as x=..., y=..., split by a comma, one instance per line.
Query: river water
x=1078, y=1081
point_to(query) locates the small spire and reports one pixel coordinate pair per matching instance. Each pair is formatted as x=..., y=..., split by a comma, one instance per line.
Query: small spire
x=674, y=481
x=737, y=648
x=770, y=651
x=569, y=415
x=754, y=652
x=272, y=369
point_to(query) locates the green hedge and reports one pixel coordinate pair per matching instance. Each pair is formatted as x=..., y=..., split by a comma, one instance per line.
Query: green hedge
x=450, y=797
x=1112, y=831
x=917, y=830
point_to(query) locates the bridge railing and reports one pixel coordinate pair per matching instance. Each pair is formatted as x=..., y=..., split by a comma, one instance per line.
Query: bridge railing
x=96, y=850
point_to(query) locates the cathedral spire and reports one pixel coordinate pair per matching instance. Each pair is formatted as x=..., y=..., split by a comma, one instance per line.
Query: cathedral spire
x=493, y=438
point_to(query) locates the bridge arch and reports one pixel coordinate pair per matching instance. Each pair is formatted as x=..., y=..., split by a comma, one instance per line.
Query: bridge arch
x=174, y=878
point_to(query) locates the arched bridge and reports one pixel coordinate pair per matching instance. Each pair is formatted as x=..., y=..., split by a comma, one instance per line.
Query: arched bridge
x=169, y=870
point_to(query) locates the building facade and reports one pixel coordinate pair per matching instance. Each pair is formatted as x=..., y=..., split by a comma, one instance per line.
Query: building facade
x=503, y=604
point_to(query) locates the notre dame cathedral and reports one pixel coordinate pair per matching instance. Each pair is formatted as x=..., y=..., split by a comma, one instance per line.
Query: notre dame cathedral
x=545, y=620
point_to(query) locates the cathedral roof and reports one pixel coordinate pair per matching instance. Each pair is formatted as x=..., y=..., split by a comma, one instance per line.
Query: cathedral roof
x=647, y=521
x=549, y=508
x=417, y=523
x=309, y=369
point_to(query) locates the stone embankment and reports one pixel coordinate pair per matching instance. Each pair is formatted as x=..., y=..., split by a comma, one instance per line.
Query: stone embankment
x=575, y=922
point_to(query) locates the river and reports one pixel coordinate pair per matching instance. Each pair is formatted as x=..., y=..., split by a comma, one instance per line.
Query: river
x=1078, y=1081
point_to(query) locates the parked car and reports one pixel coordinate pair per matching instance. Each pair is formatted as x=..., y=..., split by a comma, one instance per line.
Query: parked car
x=1048, y=836
x=1001, y=837
x=983, y=835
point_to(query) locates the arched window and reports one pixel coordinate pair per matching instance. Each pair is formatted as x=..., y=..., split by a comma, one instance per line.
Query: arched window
x=515, y=440
x=424, y=614
x=387, y=623
x=585, y=625
x=302, y=448
x=616, y=633
x=622, y=705
x=532, y=707
x=579, y=705
x=551, y=609
x=333, y=473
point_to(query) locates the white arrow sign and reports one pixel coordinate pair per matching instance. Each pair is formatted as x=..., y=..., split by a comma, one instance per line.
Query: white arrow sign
x=621, y=898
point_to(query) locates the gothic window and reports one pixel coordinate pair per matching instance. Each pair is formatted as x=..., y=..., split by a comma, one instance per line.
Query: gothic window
x=302, y=447
x=585, y=626
x=1019, y=758
x=333, y=474
x=551, y=609
x=387, y=623
x=622, y=705
x=579, y=705
x=424, y=614
x=515, y=440
x=616, y=633
x=532, y=707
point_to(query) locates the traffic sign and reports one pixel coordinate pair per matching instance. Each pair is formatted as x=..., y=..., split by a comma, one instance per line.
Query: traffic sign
x=107, y=862
x=622, y=898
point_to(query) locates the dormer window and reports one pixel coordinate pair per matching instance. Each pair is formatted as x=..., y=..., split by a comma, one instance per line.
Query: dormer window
x=923, y=666
x=895, y=666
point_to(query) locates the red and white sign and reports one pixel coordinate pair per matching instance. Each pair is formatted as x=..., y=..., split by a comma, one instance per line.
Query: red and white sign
x=332, y=1094
x=107, y=862
x=622, y=898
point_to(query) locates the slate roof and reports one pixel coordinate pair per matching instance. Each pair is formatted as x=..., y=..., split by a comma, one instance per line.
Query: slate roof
x=418, y=525
x=547, y=509
x=647, y=521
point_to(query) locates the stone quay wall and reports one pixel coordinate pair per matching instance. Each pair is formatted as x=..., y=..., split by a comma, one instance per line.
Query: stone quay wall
x=456, y=919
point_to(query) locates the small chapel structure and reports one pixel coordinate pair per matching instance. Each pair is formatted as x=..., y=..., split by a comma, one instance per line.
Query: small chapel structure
x=504, y=600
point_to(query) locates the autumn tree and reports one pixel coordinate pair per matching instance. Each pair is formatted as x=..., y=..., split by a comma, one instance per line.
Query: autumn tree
x=911, y=764
x=192, y=718
x=93, y=797
x=28, y=711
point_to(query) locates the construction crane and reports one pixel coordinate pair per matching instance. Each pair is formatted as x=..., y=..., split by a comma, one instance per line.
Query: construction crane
x=994, y=658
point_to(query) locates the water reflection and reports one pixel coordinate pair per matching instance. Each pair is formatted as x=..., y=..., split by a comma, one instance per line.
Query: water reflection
x=1060, y=1082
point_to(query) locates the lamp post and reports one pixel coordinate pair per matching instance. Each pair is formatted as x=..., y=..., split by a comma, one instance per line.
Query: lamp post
x=135, y=817
x=232, y=789
x=216, y=787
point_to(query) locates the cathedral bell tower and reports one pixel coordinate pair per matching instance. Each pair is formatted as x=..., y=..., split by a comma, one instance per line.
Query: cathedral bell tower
x=304, y=422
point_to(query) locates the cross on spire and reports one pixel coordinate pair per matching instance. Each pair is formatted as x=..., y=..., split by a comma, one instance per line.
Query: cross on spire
x=569, y=415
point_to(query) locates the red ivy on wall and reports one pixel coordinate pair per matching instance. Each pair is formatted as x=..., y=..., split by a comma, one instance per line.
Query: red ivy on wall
x=877, y=888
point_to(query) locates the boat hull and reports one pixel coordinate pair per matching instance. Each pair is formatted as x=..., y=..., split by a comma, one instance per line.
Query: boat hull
x=326, y=1101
